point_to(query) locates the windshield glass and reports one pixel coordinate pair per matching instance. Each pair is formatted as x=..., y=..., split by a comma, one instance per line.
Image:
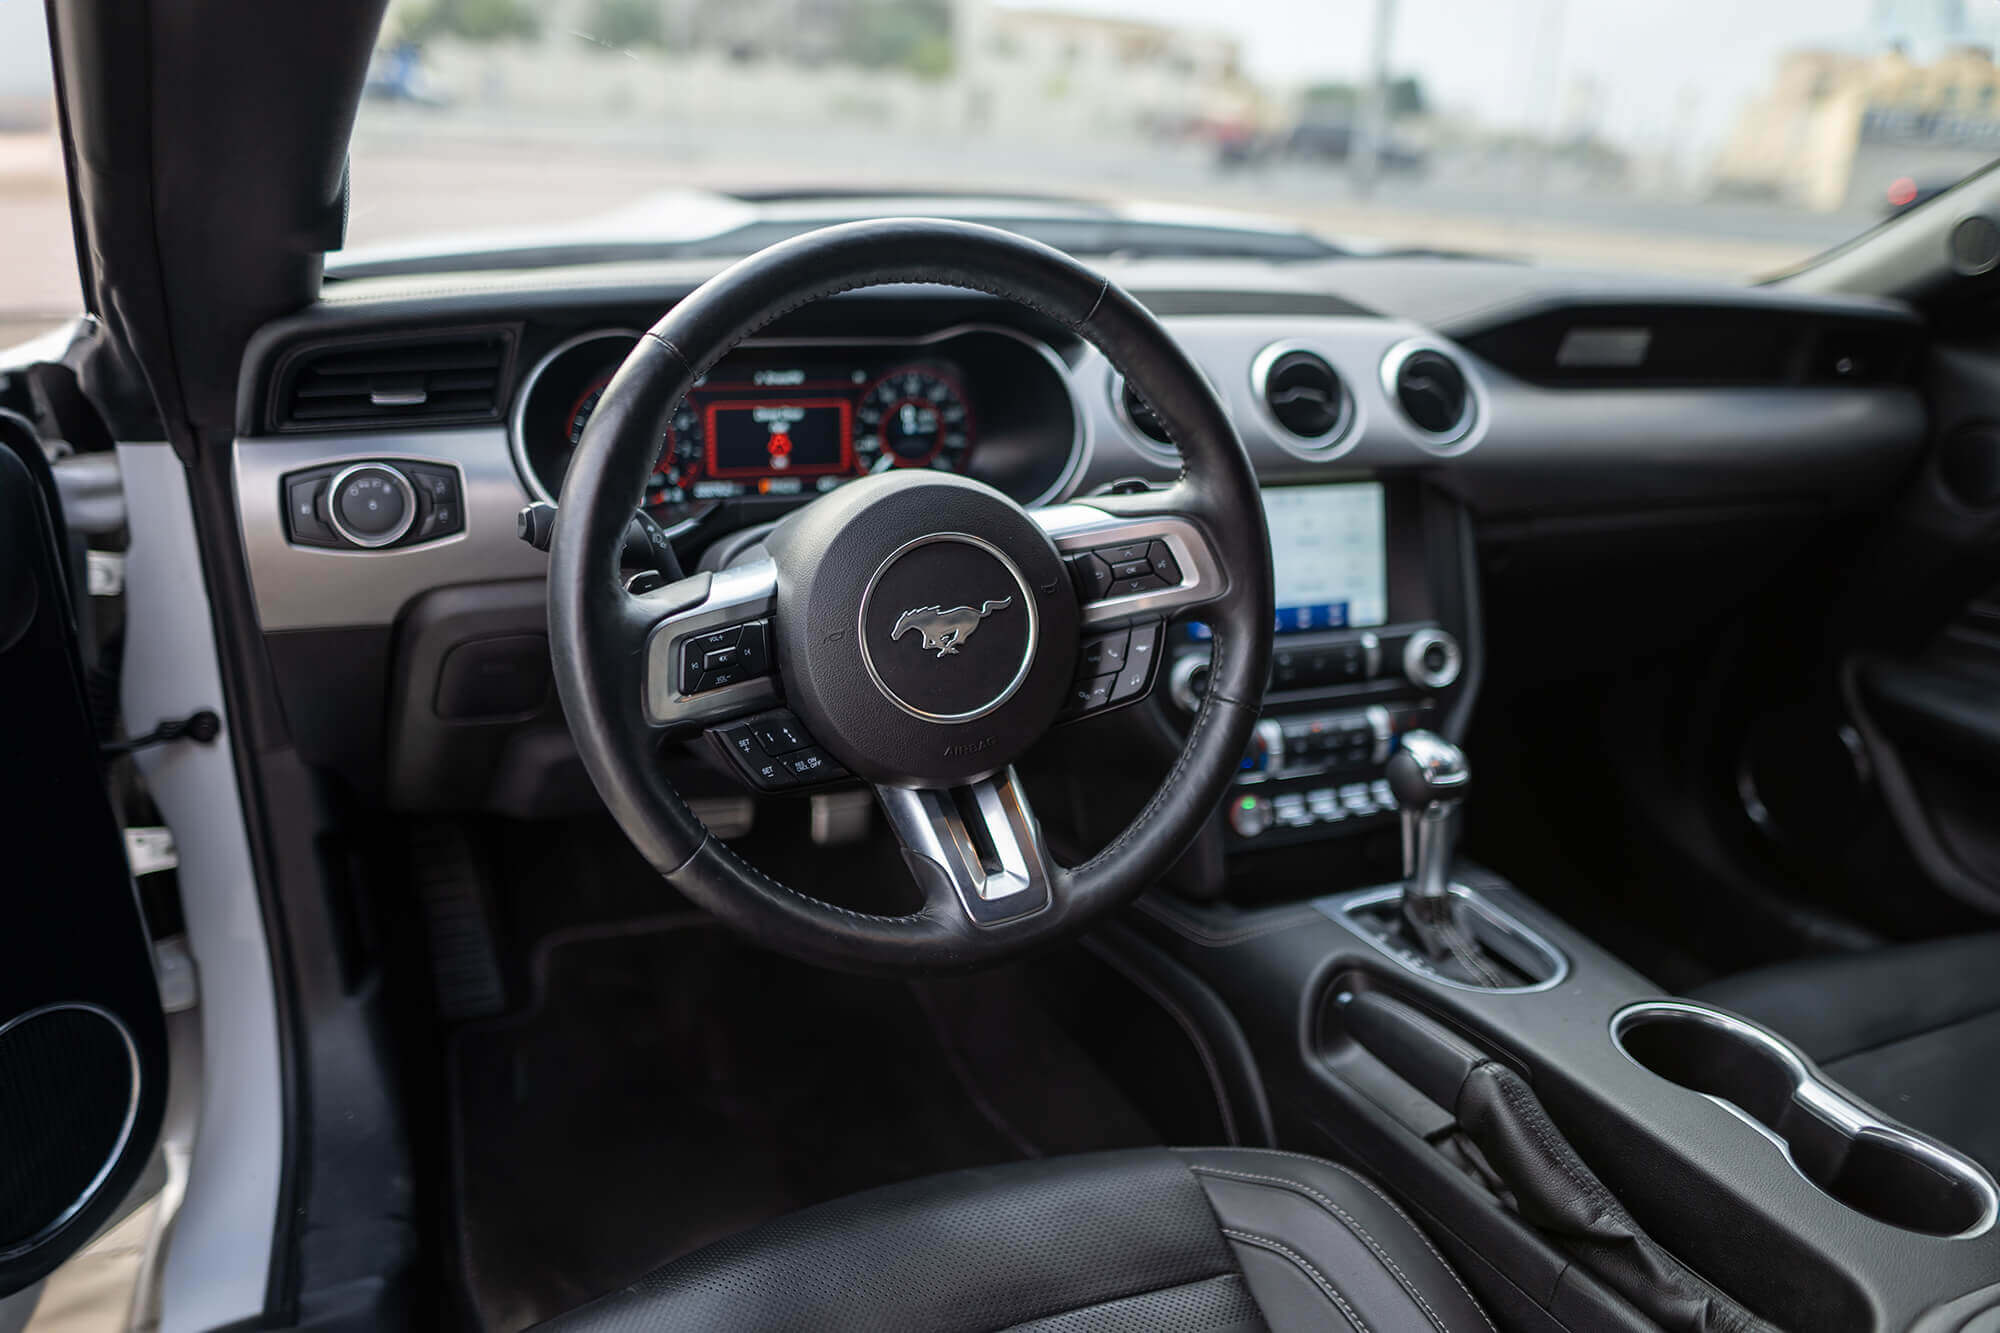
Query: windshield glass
x=1698, y=136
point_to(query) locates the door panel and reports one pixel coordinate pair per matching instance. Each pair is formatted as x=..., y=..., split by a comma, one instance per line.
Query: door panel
x=83, y=1058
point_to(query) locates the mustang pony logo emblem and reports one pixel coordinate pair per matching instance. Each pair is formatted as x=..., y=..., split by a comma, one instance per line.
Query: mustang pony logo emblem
x=945, y=630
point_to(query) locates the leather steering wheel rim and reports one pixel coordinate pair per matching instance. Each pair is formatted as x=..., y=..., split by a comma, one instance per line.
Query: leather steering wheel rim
x=594, y=622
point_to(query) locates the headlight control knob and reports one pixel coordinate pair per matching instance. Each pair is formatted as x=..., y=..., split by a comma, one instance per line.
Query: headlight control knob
x=371, y=504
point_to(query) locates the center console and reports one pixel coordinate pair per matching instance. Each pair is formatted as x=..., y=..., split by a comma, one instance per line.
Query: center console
x=1591, y=1152
x=1370, y=644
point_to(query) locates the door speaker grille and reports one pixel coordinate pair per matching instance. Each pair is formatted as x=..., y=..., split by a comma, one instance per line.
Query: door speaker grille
x=68, y=1093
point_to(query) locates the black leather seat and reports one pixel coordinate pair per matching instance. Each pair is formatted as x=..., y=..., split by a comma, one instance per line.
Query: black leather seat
x=1219, y=1240
x=1913, y=1029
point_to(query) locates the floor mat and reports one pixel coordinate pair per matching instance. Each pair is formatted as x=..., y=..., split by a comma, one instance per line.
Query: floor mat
x=673, y=1085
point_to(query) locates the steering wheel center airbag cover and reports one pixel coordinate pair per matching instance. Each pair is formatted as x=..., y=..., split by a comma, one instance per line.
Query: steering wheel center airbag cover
x=926, y=627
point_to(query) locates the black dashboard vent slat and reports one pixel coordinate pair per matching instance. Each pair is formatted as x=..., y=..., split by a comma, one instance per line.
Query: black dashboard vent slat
x=434, y=379
x=1432, y=390
x=1305, y=394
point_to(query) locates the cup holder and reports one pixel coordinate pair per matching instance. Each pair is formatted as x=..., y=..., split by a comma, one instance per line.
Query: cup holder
x=1846, y=1150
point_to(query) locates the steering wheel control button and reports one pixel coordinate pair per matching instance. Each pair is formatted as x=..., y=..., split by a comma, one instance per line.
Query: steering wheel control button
x=1140, y=653
x=1113, y=668
x=724, y=657
x=1091, y=694
x=774, y=752
x=948, y=628
x=1105, y=652
x=753, y=643
x=811, y=765
x=1131, y=569
x=371, y=505
x=782, y=736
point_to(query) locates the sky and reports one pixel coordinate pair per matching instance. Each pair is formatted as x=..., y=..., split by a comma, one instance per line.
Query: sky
x=1666, y=69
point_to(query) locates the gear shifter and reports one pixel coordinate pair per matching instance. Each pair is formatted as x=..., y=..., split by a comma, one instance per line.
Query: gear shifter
x=1429, y=777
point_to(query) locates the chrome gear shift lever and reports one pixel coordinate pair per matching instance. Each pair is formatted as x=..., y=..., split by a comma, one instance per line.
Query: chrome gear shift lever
x=1429, y=777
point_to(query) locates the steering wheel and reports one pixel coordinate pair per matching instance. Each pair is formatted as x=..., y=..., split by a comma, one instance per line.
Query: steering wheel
x=923, y=627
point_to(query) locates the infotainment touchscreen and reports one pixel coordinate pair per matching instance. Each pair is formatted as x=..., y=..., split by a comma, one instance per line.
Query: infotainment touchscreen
x=1329, y=551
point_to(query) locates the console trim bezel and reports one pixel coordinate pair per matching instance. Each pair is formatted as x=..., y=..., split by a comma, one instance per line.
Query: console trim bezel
x=1340, y=908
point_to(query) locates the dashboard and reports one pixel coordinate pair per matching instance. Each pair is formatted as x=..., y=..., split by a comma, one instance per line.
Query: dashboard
x=1437, y=492
x=778, y=422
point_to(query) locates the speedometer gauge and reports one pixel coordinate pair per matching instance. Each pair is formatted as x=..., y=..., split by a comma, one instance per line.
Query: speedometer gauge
x=913, y=417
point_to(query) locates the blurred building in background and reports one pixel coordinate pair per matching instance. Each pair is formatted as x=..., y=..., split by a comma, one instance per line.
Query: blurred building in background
x=1864, y=130
x=913, y=66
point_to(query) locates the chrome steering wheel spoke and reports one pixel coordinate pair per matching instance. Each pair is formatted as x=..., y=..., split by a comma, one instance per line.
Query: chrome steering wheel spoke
x=707, y=648
x=1134, y=567
x=976, y=849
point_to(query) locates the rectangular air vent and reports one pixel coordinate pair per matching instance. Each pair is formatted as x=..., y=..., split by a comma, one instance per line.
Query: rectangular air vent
x=430, y=379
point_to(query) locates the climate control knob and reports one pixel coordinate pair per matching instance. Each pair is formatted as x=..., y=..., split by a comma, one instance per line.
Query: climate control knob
x=371, y=504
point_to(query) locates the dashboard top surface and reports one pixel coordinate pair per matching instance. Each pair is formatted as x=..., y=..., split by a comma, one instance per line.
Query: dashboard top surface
x=1520, y=449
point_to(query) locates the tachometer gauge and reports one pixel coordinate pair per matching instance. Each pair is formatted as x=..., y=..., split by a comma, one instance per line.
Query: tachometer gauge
x=672, y=484
x=912, y=417
x=674, y=481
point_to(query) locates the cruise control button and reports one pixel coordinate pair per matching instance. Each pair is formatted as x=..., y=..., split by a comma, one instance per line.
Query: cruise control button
x=782, y=736
x=1162, y=560
x=770, y=773
x=811, y=765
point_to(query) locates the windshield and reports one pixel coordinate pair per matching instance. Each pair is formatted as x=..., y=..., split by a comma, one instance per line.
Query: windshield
x=1697, y=136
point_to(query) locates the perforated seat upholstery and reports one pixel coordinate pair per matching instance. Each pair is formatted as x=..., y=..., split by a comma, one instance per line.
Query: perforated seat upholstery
x=1218, y=1240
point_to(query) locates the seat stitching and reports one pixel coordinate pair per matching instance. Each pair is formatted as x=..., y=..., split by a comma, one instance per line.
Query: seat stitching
x=1395, y=1208
x=1347, y=1219
x=1319, y=1278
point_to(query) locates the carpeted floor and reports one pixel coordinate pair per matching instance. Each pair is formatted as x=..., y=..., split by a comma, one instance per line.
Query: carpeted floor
x=670, y=1085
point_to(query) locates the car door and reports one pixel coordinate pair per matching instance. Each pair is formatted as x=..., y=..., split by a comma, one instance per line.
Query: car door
x=83, y=1055
x=1881, y=777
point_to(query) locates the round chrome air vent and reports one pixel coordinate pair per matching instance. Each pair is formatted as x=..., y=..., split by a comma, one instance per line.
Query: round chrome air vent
x=1142, y=424
x=1437, y=394
x=1304, y=399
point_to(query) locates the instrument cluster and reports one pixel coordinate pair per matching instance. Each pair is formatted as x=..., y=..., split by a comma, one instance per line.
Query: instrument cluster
x=777, y=423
